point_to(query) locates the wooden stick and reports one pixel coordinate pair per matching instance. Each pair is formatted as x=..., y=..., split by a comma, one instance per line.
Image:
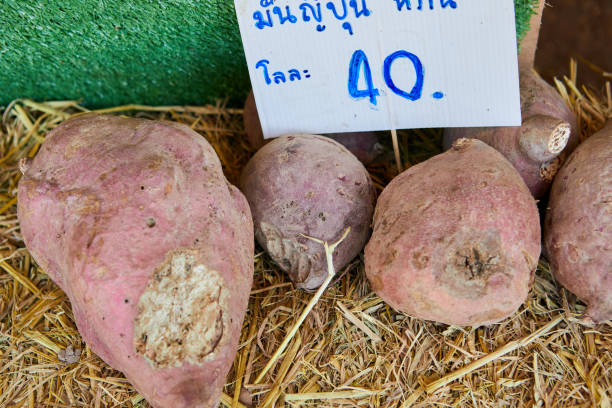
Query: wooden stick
x=329, y=250
x=398, y=161
x=513, y=345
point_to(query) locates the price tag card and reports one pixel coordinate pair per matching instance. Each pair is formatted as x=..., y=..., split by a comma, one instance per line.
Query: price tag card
x=325, y=66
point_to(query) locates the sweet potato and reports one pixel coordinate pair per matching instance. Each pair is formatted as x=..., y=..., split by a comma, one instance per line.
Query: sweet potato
x=252, y=125
x=578, y=225
x=456, y=238
x=136, y=222
x=534, y=148
x=364, y=145
x=307, y=184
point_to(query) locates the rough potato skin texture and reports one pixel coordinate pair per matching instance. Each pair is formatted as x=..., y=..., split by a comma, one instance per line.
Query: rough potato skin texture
x=103, y=205
x=537, y=98
x=578, y=225
x=312, y=185
x=456, y=238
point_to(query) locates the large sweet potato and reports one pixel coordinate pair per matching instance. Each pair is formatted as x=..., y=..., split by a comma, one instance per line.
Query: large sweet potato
x=307, y=184
x=578, y=225
x=456, y=238
x=136, y=222
x=535, y=148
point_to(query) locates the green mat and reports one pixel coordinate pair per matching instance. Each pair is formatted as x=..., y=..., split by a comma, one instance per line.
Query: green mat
x=115, y=52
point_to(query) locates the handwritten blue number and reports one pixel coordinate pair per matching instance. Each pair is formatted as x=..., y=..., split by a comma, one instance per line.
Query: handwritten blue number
x=359, y=58
x=415, y=93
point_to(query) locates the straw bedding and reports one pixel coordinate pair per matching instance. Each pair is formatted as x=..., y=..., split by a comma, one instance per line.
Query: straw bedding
x=352, y=349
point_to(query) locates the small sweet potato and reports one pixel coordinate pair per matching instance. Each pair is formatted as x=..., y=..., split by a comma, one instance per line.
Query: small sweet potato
x=136, y=222
x=307, y=184
x=456, y=238
x=578, y=225
x=535, y=148
x=364, y=145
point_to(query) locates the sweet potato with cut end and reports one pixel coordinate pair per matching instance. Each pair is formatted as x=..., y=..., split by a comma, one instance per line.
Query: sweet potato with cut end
x=537, y=148
x=578, y=225
x=136, y=222
x=456, y=238
x=307, y=184
x=364, y=145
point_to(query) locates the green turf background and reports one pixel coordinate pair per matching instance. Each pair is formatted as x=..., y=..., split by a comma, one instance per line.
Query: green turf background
x=114, y=52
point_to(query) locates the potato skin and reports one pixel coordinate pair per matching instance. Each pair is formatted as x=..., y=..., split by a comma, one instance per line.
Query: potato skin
x=103, y=206
x=312, y=185
x=252, y=125
x=578, y=225
x=456, y=238
x=538, y=100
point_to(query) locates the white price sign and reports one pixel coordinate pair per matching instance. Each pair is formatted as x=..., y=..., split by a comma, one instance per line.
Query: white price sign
x=325, y=66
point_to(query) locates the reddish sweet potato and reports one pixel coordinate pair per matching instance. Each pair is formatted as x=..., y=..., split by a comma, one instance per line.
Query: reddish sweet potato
x=534, y=148
x=456, y=238
x=252, y=125
x=578, y=225
x=306, y=184
x=364, y=145
x=135, y=221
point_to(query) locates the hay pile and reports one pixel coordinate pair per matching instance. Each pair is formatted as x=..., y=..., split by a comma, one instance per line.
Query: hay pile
x=352, y=350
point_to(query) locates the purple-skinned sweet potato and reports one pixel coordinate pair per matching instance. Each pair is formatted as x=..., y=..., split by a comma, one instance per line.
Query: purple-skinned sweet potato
x=537, y=148
x=456, y=238
x=312, y=185
x=578, y=225
x=364, y=145
x=136, y=222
